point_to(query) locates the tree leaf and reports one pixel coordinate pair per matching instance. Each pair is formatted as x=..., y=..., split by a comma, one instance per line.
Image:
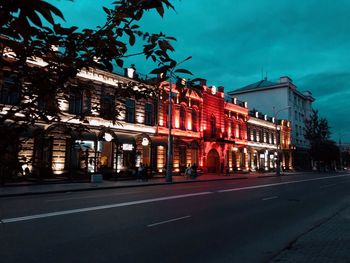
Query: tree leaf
x=184, y=71
x=107, y=11
x=160, y=10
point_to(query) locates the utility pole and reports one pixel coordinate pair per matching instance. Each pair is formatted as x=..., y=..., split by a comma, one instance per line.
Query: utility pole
x=278, y=168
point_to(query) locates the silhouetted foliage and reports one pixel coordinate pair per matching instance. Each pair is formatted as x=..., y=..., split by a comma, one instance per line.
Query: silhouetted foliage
x=323, y=150
x=29, y=34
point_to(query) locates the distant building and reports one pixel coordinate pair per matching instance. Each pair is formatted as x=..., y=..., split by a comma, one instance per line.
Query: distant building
x=282, y=100
x=268, y=137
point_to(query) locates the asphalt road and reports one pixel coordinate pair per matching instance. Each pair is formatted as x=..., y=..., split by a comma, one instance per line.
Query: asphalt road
x=221, y=221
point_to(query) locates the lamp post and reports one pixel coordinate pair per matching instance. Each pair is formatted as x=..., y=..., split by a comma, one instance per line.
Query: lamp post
x=278, y=170
x=340, y=150
x=169, y=167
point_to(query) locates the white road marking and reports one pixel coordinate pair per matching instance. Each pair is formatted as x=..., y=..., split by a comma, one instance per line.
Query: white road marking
x=326, y=186
x=88, y=197
x=168, y=221
x=276, y=184
x=270, y=198
x=95, y=208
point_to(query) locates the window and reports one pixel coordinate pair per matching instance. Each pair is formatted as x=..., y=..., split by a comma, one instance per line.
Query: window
x=166, y=115
x=76, y=103
x=213, y=126
x=255, y=136
x=182, y=118
x=107, y=110
x=130, y=110
x=149, y=114
x=9, y=93
x=241, y=131
x=194, y=121
x=226, y=124
x=232, y=129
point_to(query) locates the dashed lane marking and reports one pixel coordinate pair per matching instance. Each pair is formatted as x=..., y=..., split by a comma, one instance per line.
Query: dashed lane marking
x=168, y=221
x=270, y=198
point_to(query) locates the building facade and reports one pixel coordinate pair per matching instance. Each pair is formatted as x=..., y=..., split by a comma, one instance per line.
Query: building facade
x=211, y=131
x=284, y=100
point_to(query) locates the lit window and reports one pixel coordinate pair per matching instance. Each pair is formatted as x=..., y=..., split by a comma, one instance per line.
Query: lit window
x=194, y=120
x=182, y=118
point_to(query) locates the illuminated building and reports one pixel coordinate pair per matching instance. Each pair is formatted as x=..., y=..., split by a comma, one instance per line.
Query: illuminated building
x=264, y=145
x=268, y=96
x=212, y=131
x=224, y=132
x=186, y=130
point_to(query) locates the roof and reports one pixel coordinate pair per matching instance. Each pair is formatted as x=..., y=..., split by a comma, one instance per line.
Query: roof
x=257, y=85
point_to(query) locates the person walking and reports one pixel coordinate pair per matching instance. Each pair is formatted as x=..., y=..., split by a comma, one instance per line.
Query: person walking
x=144, y=173
x=140, y=172
x=188, y=171
x=194, y=170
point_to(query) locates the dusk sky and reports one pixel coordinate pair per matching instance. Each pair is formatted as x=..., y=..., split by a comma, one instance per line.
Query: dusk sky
x=232, y=41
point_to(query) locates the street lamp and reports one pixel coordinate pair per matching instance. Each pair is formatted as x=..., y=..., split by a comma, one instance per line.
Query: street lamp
x=340, y=150
x=169, y=167
x=278, y=171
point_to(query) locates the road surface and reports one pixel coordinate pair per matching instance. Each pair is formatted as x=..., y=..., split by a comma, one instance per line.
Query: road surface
x=248, y=220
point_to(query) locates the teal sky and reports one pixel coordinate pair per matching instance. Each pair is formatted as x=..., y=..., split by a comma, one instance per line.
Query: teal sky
x=231, y=42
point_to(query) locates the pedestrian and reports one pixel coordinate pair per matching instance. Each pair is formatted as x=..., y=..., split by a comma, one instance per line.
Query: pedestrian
x=193, y=174
x=140, y=172
x=144, y=173
x=188, y=171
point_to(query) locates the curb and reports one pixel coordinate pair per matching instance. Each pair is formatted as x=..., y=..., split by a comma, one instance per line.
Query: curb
x=97, y=187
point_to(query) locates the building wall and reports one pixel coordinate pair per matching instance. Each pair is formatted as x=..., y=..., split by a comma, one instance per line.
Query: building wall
x=224, y=148
x=283, y=95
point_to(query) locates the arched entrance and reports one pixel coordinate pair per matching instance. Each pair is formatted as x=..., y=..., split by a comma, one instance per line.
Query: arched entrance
x=213, y=161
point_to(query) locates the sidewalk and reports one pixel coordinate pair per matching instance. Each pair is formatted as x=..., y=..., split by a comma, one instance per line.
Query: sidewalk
x=20, y=189
x=327, y=242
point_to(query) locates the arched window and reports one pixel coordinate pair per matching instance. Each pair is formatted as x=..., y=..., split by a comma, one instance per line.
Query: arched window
x=182, y=118
x=213, y=126
x=194, y=120
x=232, y=129
x=238, y=130
x=226, y=126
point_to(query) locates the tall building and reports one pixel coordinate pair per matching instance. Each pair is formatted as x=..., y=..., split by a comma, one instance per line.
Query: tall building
x=282, y=100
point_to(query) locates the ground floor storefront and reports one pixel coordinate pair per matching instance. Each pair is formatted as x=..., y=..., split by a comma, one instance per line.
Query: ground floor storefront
x=58, y=152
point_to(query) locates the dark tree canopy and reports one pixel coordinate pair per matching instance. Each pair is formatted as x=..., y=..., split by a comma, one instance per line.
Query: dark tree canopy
x=317, y=131
x=30, y=34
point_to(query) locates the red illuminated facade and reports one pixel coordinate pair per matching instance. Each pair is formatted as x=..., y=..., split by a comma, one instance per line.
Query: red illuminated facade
x=216, y=133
